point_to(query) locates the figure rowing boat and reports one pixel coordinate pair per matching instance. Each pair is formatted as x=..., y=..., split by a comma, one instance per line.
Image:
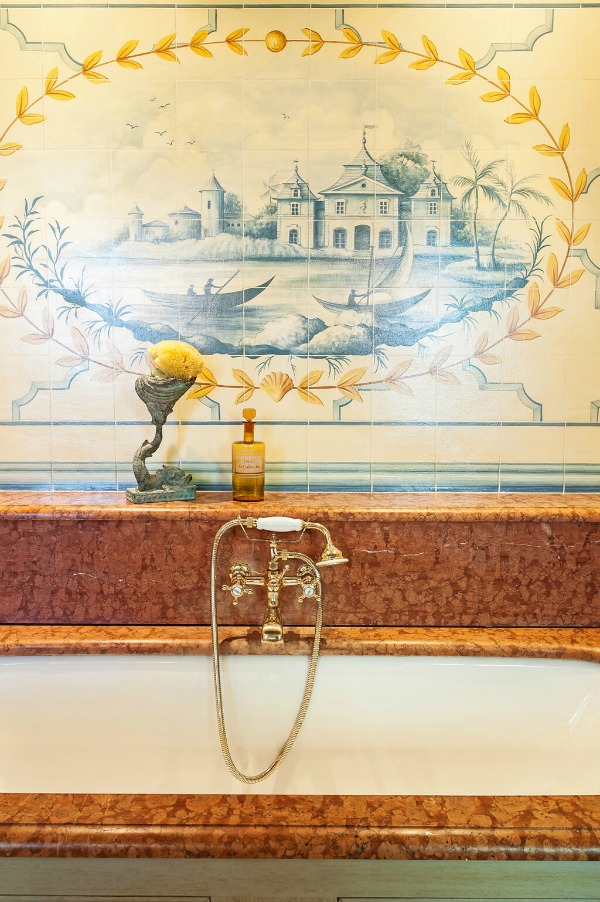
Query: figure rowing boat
x=397, y=298
x=408, y=298
x=212, y=305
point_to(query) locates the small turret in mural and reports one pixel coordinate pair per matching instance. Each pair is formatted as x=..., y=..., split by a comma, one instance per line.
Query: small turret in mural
x=185, y=223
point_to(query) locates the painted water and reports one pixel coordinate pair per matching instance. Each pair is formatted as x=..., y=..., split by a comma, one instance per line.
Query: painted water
x=264, y=322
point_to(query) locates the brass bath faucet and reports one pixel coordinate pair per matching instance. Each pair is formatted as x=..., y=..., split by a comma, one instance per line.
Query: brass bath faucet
x=306, y=577
x=241, y=577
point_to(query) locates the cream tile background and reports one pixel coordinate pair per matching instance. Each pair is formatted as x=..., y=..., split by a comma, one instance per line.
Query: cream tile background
x=524, y=419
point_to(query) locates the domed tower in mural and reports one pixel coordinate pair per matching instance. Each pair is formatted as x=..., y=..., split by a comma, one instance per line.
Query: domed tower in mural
x=213, y=208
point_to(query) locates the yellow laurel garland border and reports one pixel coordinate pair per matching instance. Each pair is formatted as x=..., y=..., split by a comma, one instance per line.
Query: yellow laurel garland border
x=278, y=385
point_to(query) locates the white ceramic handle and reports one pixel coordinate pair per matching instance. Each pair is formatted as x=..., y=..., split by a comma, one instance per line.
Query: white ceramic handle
x=279, y=524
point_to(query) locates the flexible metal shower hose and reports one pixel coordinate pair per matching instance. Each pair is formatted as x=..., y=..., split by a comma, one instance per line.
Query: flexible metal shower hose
x=312, y=670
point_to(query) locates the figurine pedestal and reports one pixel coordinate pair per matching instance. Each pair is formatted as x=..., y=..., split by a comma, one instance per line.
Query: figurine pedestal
x=182, y=493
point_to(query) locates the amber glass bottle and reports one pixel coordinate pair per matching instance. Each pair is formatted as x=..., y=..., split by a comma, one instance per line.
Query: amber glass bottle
x=248, y=463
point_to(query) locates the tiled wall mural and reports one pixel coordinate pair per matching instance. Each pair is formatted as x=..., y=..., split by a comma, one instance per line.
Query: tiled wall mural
x=379, y=225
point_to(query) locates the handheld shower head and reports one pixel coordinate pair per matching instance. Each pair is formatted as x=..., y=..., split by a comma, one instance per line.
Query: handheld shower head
x=330, y=556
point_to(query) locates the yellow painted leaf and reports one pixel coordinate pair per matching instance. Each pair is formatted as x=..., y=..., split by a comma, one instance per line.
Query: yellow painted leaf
x=1, y=222
x=565, y=137
x=561, y=188
x=504, y=79
x=460, y=78
x=312, y=48
x=534, y=100
x=165, y=43
x=391, y=40
x=513, y=320
x=237, y=48
x=61, y=95
x=352, y=35
x=92, y=60
x=312, y=35
x=200, y=36
x=349, y=392
x=309, y=396
x=96, y=77
x=401, y=388
x=200, y=50
x=236, y=35
x=7, y=149
x=2, y=184
x=548, y=312
x=387, y=57
x=580, y=184
x=489, y=359
x=310, y=379
x=244, y=395
x=533, y=298
x=493, y=96
x=167, y=55
x=563, y=230
x=352, y=377
x=241, y=377
x=467, y=60
x=349, y=52
x=51, y=79
x=11, y=313
x=580, y=234
x=130, y=64
x=430, y=47
x=571, y=278
x=31, y=118
x=524, y=335
x=519, y=118
x=399, y=370
x=547, y=150
x=206, y=375
x=552, y=268
x=126, y=50
x=199, y=391
x=423, y=64
x=22, y=102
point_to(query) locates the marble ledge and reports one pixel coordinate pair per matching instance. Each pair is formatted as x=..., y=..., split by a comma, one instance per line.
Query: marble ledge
x=301, y=827
x=335, y=506
x=574, y=644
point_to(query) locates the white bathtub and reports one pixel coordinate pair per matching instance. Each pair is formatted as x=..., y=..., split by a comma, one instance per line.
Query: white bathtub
x=376, y=725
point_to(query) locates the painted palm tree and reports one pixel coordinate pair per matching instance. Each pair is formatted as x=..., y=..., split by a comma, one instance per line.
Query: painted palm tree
x=483, y=183
x=514, y=195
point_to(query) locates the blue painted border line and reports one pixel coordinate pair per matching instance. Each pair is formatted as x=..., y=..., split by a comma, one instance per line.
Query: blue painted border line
x=323, y=477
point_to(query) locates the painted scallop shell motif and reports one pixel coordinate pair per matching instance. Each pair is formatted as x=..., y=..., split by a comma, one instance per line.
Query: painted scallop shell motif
x=277, y=385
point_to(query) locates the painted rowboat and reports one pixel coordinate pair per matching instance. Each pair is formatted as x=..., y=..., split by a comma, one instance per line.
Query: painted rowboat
x=386, y=309
x=214, y=305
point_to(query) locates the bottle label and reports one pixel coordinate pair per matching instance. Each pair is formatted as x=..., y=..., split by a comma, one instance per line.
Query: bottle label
x=248, y=465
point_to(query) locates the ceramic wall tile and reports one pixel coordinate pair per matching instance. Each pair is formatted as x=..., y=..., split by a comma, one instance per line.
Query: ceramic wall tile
x=378, y=224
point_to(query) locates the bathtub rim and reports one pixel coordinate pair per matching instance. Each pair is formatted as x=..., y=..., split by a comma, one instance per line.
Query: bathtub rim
x=518, y=828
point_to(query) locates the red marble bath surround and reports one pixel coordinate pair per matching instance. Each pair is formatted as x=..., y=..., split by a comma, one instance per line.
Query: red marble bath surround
x=427, y=574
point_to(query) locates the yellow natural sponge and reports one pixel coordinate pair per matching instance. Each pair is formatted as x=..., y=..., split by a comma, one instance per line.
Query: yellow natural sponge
x=176, y=359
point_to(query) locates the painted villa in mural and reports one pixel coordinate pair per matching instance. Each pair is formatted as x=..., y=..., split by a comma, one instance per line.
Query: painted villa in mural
x=360, y=210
